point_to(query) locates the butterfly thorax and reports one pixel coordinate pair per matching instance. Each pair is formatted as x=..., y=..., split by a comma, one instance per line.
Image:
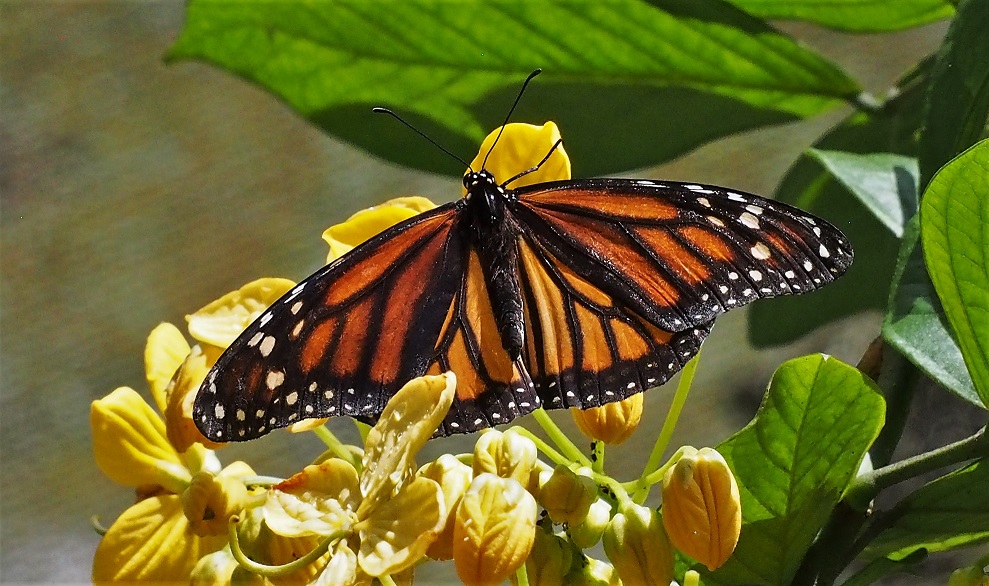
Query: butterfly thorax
x=494, y=236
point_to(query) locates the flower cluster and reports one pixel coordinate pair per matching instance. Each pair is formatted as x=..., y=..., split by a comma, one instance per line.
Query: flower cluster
x=370, y=514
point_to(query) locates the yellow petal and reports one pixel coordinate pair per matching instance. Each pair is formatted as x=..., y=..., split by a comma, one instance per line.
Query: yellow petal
x=520, y=148
x=164, y=352
x=494, y=531
x=320, y=500
x=453, y=477
x=407, y=422
x=509, y=455
x=399, y=530
x=220, y=322
x=638, y=547
x=306, y=425
x=151, y=541
x=702, y=512
x=341, y=569
x=129, y=443
x=262, y=545
x=612, y=423
x=361, y=226
x=181, y=395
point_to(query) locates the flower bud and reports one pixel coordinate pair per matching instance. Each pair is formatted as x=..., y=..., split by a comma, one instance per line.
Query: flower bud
x=454, y=478
x=550, y=559
x=210, y=501
x=593, y=572
x=508, y=455
x=637, y=546
x=588, y=532
x=567, y=496
x=612, y=423
x=494, y=530
x=702, y=512
x=970, y=576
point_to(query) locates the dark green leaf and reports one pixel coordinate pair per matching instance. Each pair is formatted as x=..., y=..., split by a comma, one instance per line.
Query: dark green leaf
x=852, y=15
x=889, y=129
x=955, y=115
x=885, y=183
x=628, y=83
x=915, y=323
x=948, y=513
x=954, y=220
x=793, y=461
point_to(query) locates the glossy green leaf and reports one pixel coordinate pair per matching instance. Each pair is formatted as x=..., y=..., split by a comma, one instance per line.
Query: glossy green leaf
x=891, y=129
x=793, y=462
x=884, y=182
x=948, y=513
x=915, y=323
x=954, y=224
x=628, y=83
x=852, y=15
x=957, y=107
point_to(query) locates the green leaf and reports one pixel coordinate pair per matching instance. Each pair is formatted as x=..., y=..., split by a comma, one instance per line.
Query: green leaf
x=957, y=106
x=947, y=513
x=915, y=323
x=687, y=71
x=954, y=224
x=885, y=183
x=793, y=462
x=852, y=15
x=890, y=128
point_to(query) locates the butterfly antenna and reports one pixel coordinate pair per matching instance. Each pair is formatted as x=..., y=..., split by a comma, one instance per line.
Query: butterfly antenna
x=555, y=146
x=507, y=118
x=419, y=132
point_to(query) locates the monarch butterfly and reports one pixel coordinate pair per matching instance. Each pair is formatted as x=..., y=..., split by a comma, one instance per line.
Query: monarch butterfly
x=560, y=294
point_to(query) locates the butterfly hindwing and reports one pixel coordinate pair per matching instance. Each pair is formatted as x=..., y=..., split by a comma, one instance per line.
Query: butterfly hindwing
x=585, y=348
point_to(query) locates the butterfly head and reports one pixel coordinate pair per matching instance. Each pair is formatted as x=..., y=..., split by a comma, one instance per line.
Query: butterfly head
x=485, y=196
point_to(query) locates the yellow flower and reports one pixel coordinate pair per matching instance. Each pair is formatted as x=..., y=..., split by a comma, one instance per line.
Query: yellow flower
x=550, y=559
x=638, y=547
x=520, y=148
x=155, y=539
x=494, y=531
x=587, y=533
x=612, y=423
x=189, y=497
x=384, y=517
x=702, y=512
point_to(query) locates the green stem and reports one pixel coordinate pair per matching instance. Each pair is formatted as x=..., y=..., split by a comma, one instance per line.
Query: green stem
x=559, y=438
x=522, y=576
x=899, y=379
x=386, y=580
x=338, y=448
x=543, y=447
x=865, y=488
x=597, y=456
x=271, y=571
x=672, y=416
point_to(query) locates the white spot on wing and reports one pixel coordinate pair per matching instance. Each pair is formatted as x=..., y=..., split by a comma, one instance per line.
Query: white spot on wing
x=749, y=220
x=255, y=339
x=704, y=202
x=219, y=412
x=760, y=251
x=267, y=345
x=274, y=379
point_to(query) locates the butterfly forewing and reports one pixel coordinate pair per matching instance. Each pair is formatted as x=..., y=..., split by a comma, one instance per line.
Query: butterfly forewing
x=345, y=339
x=681, y=254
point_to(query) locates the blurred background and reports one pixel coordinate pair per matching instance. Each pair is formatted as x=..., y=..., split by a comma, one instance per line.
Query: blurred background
x=133, y=193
